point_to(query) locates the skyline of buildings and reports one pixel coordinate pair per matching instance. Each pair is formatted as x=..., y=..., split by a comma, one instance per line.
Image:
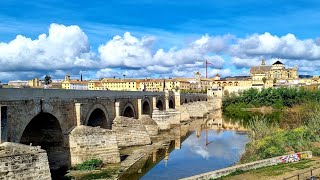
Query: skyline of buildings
x=263, y=75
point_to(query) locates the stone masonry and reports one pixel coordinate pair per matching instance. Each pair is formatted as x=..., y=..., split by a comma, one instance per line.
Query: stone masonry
x=194, y=110
x=93, y=143
x=19, y=161
x=130, y=132
x=151, y=126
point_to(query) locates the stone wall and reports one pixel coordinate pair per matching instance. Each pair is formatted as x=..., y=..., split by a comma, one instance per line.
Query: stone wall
x=130, y=132
x=23, y=162
x=194, y=110
x=151, y=126
x=253, y=165
x=165, y=119
x=93, y=143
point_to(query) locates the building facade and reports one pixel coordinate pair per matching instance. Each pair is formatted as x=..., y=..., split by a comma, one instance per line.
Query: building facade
x=69, y=83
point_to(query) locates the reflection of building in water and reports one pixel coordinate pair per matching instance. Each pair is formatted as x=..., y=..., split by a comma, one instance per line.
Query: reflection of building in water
x=198, y=131
x=166, y=157
x=215, y=123
x=154, y=156
x=177, y=143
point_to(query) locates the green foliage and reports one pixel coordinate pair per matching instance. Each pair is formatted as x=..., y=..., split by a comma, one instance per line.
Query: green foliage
x=89, y=165
x=264, y=80
x=47, y=80
x=99, y=175
x=278, y=97
x=261, y=127
x=278, y=142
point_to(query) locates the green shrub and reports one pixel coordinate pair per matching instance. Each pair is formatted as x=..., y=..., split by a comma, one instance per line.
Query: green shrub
x=89, y=165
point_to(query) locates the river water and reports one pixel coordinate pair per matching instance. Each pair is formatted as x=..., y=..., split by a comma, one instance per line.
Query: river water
x=223, y=149
x=201, y=149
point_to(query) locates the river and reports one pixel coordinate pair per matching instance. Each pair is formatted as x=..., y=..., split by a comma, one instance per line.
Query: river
x=204, y=148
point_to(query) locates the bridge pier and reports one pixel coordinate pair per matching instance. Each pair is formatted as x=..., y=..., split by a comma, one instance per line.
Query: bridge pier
x=78, y=113
x=154, y=103
x=139, y=108
x=167, y=99
x=177, y=99
x=117, y=108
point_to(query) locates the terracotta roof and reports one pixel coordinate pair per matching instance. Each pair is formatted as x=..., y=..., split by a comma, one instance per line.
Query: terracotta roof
x=111, y=80
x=75, y=82
x=260, y=69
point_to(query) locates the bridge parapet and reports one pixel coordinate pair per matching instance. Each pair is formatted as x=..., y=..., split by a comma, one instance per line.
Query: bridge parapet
x=9, y=94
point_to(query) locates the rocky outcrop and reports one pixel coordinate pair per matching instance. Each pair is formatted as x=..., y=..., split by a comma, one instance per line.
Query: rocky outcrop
x=19, y=161
x=151, y=126
x=130, y=132
x=93, y=143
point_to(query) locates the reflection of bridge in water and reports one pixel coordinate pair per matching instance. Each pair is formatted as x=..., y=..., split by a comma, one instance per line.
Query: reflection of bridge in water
x=180, y=134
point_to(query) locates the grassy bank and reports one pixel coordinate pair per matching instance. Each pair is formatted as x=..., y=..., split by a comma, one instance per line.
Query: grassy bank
x=293, y=126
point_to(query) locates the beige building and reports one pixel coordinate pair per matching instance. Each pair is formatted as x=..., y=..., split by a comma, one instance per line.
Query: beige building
x=34, y=83
x=69, y=83
x=119, y=84
x=264, y=75
x=159, y=85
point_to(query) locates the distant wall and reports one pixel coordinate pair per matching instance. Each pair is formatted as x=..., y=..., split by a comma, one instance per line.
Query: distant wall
x=253, y=165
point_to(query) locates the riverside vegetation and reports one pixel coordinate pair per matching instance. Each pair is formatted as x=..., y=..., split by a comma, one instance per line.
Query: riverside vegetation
x=293, y=125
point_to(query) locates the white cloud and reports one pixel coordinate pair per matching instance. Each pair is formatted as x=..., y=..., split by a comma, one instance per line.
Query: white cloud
x=130, y=51
x=127, y=51
x=271, y=46
x=64, y=47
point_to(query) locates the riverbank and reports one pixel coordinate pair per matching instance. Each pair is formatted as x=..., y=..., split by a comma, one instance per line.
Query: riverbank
x=279, y=172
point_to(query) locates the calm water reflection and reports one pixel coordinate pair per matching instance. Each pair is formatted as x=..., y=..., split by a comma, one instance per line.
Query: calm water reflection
x=224, y=149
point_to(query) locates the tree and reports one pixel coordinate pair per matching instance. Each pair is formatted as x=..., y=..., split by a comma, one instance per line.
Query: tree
x=47, y=80
x=264, y=80
x=274, y=80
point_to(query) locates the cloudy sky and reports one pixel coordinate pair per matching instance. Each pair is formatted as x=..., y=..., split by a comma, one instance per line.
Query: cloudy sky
x=155, y=38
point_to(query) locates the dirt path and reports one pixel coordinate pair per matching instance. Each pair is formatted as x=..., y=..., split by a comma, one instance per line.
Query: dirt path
x=280, y=172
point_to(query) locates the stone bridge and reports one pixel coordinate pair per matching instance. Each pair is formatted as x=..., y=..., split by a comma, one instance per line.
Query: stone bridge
x=45, y=117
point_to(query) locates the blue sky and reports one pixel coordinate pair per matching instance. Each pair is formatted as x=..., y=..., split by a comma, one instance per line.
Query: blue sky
x=235, y=34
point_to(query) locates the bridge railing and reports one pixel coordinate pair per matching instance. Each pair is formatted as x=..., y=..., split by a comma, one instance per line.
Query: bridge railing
x=311, y=174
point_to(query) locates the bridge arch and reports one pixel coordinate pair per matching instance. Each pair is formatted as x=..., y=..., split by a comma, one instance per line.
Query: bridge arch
x=185, y=101
x=146, y=107
x=98, y=116
x=128, y=111
x=159, y=105
x=44, y=130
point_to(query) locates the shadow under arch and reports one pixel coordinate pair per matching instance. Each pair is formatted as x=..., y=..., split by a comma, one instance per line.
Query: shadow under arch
x=129, y=111
x=97, y=116
x=171, y=104
x=44, y=130
x=146, y=108
x=159, y=105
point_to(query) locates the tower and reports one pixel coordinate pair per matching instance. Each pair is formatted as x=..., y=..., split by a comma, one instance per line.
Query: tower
x=263, y=63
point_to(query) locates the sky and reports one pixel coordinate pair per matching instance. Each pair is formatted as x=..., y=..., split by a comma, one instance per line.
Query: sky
x=155, y=38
